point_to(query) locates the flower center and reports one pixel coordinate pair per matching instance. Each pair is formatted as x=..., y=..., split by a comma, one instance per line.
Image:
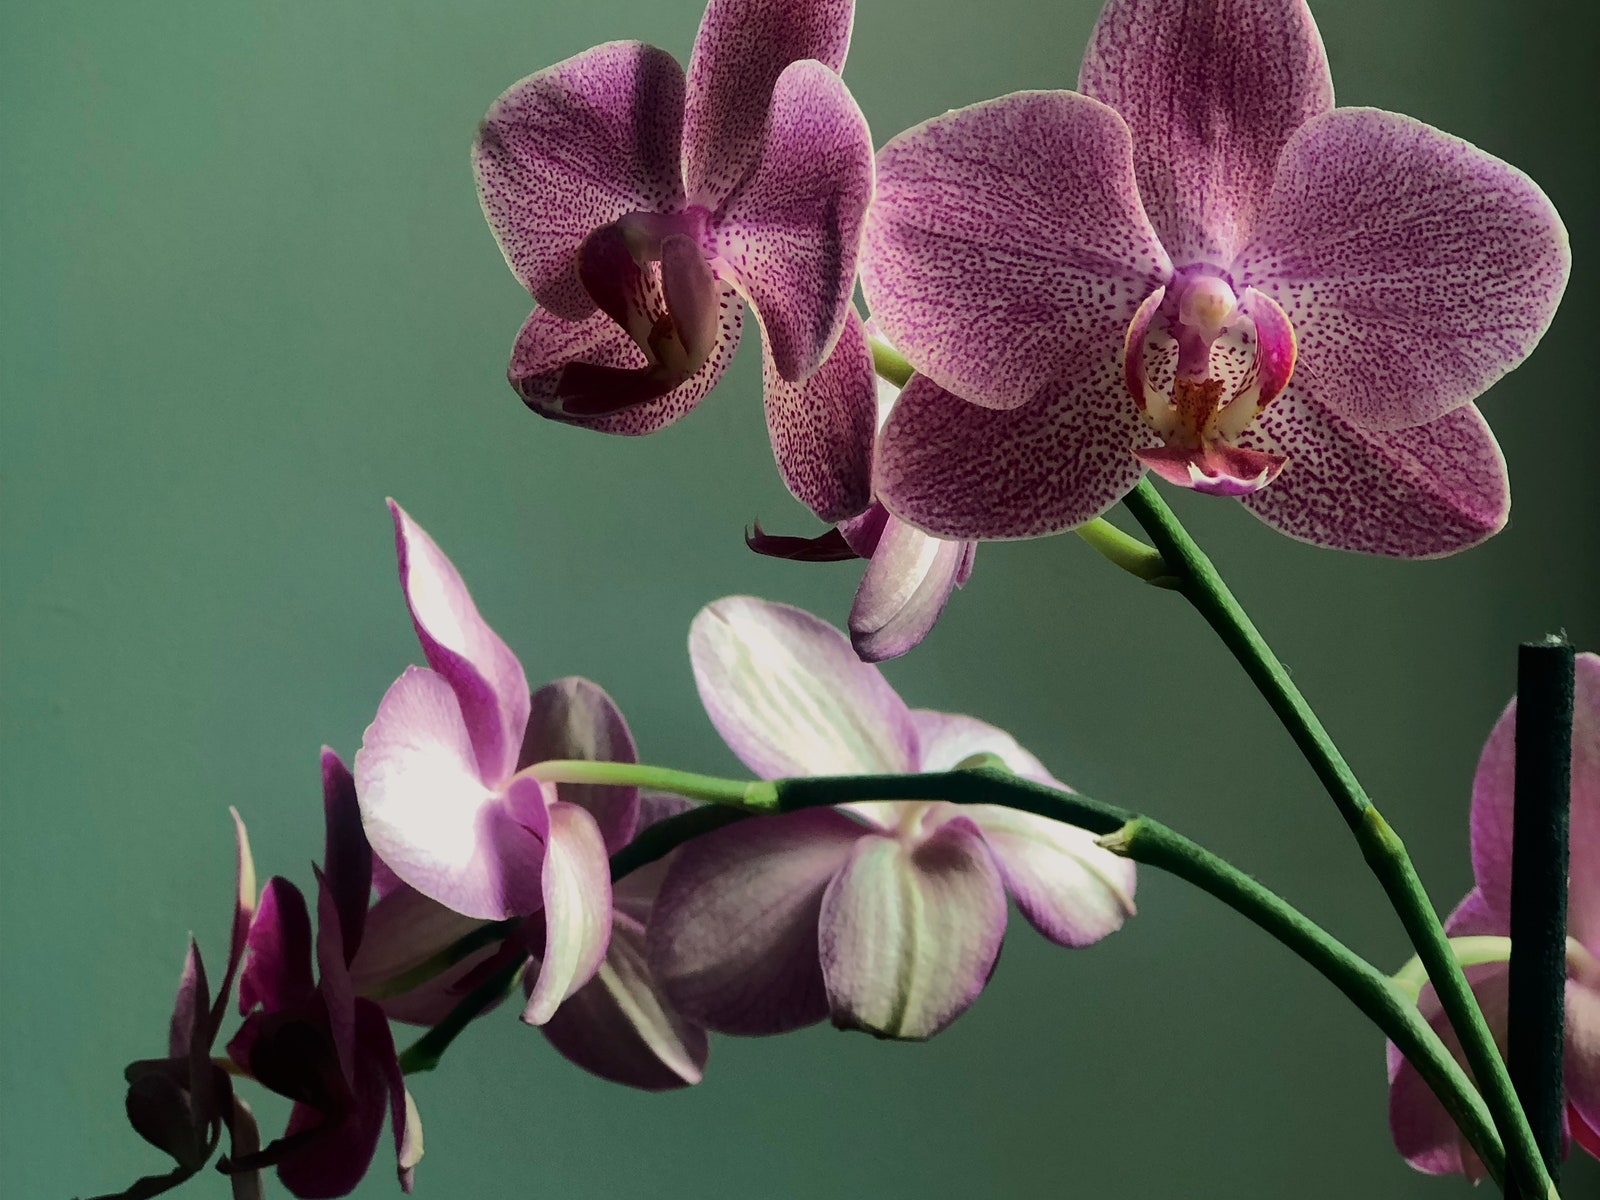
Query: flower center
x=1230, y=356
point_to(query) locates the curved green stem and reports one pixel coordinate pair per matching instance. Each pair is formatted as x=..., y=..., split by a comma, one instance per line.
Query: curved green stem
x=679, y=783
x=1128, y=552
x=1386, y=855
x=889, y=363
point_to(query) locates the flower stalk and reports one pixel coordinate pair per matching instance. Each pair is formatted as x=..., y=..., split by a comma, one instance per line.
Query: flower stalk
x=1385, y=853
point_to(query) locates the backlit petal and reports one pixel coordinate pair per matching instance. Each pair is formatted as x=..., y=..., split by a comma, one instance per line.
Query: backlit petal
x=1007, y=245
x=577, y=910
x=903, y=591
x=789, y=696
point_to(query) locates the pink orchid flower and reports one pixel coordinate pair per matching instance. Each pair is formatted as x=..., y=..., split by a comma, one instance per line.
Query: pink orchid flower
x=444, y=799
x=1197, y=265
x=644, y=209
x=1422, y=1130
x=910, y=574
x=886, y=916
x=314, y=1040
x=180, y=1103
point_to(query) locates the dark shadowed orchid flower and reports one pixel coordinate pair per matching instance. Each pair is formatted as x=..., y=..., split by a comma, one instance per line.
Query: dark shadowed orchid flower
x=886, y=916
x=1197, y=265
x=314, y=1040
x=1423, y=1132
x=180, y=1103
x=643, y=210
x=443, y=798
x=617, y=1025
x=910, y=574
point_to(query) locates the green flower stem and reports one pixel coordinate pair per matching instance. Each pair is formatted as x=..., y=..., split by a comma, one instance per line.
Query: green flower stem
x=1468, y=951
x=1386, y=855
x=889, y=363
x=679, y=783
x=1128, y=552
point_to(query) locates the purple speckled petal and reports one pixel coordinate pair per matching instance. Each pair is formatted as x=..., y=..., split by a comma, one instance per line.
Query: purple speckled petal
x=1070, y=889
x=277, y=966
x=909, y=933
x=550, y=350
x=486, y=677
x=741, y=49
x=1493, y=797
x=574, y=718
x=621, y=1027
x=572, y=148
x=1415, y=268
x=733, y=939
x=346, y=854
x=1007, y=246
x=1211, y=89
x=822, y=429
x=1414, y=493
x=430, y=817
x=792, y=231
x=903, y=591
x=960, y=471
x=577, y=910
x=789, y=696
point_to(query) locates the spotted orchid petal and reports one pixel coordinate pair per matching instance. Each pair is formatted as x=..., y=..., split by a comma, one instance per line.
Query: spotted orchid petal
x=742, y=47
x=1212, y=89
x=957, y=470
x=572, y=148
x=1219, y=470
x=1007, y=250
x=909, y=931
x=430, y=816
x=792, y=231
x=903, y=590
x=733, y=937
x=822, y=429
x=560, y=366
x=490, y=688
x=789, y=696
x=1415, y=268
x=1493, y=796
x=577, y=910
x=574, y=718
x=621, y=1027
x=1414, y=493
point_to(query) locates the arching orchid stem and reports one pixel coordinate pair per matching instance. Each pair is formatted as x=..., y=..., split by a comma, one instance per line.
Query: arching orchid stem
x=1385, y=853
x=889, y=363
x=1128, y=552
x=424, y=1053
x=1536, y=999
x=680, y=783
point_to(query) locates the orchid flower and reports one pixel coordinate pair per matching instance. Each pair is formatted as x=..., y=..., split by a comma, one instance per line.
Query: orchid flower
x=1197, y=265
x=443, y=798
x=886, y=916
x=643, y=210
x=618, y=1025
x=317, y=1042
x=180, y=1103
x=1423, y=1132
x=909, y=575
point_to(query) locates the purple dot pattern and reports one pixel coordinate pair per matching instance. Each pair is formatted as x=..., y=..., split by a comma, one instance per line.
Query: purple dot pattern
x=822, y=429
x=547, y=344
x=574, y=147
x=791, y=232
x=1007, y=242
x=1415, y=268
x=741, y=49
x=1211, y=89
x=1423, y=492
x=958, y=470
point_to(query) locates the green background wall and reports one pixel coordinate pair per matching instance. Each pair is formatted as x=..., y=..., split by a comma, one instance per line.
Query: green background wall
x=247, y=293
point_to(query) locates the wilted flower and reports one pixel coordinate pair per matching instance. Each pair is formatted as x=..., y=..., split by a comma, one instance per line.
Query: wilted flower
x=1197, y=265
x=1423, y=1132
x=888, y=916
x=315, y=1041
x=909, y=574
x=180, y=1103
x=614, y=184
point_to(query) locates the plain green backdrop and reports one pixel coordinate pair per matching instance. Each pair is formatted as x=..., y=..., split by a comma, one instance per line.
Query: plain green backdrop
x=248, y=293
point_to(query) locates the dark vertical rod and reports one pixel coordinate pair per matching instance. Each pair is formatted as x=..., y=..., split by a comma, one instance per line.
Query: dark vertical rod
x=1538, y=971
